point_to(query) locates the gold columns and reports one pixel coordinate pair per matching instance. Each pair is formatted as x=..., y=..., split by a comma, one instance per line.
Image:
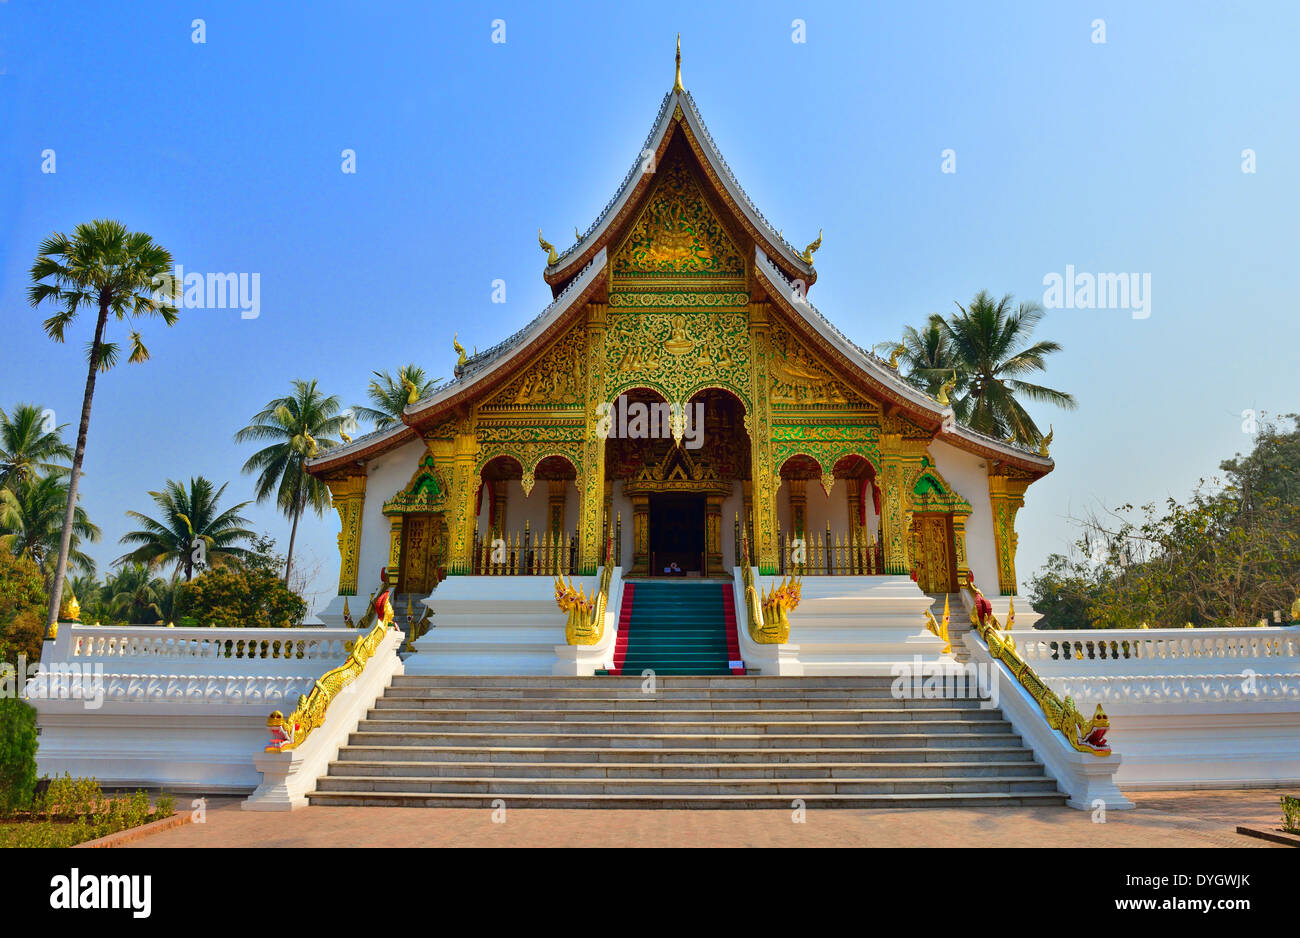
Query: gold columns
x=349, y=497
x=463, y=488
x=591, y=474
x=640, y=534
x=557, y=491
x=900, y=463
x=394, y=549
x=959, y=549
x=713, y=534
x=1007, y=496
x=798, y=506
x=759, y=425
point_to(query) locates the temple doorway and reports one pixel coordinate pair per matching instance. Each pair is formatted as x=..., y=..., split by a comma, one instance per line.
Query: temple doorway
x=677, y=522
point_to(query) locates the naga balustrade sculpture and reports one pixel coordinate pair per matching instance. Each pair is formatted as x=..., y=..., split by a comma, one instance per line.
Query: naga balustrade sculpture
x=291, y=732
x=1061, y=715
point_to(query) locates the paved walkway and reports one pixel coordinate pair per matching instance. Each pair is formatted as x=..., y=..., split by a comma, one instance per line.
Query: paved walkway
x=1165, y=819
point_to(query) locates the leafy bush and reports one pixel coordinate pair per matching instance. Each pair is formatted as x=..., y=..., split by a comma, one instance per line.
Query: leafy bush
x=1291, y=814
x=17, y=754
x=23, y=602
x=74, y=810
x=235, y=596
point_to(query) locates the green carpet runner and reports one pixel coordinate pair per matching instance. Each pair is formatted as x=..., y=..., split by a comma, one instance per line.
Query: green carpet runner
x=676, y=628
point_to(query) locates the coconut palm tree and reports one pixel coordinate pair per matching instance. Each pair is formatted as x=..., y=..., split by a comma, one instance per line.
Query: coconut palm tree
x=991, y=351
x=29, y=446
x=106, y=268
x=390, y=395
x=926, y=359
x=134, y=597
x=31, y=524
x=299, y=426
x=189, y=518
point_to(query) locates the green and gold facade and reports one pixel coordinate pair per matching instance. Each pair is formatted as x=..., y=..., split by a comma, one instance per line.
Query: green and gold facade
x=679, y=294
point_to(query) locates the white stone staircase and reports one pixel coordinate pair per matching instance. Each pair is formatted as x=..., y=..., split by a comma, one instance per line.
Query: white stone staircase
x=705, y=742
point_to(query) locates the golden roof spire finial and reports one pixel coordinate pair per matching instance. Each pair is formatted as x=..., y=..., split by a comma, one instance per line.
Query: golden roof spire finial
x=677, y=81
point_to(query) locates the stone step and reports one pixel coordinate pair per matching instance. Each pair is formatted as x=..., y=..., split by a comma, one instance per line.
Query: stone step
x=811, y=728
x=674, y=786
x=686, y=802
x=642, y=702
x=392, y=736
x=715, y=770
x=606, y=716
x=627, y=755
x=762, y=685
x=781, y=697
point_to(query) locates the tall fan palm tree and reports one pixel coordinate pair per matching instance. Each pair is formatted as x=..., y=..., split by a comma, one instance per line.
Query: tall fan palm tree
x=991, y=349
x=104, y=267
x=390, y=394
x=30, y=446
x=299, y=425
x=31, y=524
x=190, y=518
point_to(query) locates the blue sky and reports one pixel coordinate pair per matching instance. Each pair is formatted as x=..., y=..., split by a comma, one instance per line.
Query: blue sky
x=1117, y=157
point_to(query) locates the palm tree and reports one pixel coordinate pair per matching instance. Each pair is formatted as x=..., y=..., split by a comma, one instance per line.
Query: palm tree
x=135, y=597
x=390, y=395
x=926, y=355
x=189, y=517
x=300, y=425
x=29, y=446
x=989, y=344
x=105, y=267
x=31, y=525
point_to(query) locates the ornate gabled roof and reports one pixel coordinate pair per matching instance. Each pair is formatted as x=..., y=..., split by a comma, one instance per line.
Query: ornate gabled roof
x=678, y=106
x=886, y=382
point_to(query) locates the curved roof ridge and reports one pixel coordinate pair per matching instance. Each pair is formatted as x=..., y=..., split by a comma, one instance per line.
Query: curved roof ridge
x=663, y=120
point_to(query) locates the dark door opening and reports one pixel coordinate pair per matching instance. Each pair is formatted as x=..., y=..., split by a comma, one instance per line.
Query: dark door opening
x=676, y=533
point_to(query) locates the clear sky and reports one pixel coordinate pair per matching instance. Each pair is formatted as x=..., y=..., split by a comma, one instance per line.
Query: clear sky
x=1117, y=157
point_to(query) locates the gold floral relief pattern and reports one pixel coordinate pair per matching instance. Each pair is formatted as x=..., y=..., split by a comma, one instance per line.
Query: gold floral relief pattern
x=557, y=377
x=678, y=233
x=798, y=378
x=678, y=353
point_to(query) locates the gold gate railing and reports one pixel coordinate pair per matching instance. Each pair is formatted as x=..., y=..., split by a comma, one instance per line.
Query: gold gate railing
x=549, y=553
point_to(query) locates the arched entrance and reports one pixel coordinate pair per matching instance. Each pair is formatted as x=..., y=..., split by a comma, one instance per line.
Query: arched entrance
x=679, y=473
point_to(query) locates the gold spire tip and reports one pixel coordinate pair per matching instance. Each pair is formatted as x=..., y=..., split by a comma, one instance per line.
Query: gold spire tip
x=677, y=81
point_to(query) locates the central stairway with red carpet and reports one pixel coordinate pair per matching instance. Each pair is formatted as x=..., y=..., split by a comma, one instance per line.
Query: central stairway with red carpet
x=678, y=627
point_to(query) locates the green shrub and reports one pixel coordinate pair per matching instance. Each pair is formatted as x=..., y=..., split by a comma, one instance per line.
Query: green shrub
x=17, y=754
x=1291, y=814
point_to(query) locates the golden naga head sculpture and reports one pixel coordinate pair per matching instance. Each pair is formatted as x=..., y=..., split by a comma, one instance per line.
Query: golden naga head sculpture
x=811, y=249
x=894, y=353
x=1046, y=443
x=945, y=389
x=551, y=256
x=412, y=392
x=461, y=357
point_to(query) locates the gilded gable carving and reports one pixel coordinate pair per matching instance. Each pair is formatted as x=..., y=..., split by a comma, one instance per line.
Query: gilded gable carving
x=557, y=378
x=798, y=378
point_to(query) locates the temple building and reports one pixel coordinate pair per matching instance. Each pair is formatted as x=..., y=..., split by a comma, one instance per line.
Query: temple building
x=679, y=402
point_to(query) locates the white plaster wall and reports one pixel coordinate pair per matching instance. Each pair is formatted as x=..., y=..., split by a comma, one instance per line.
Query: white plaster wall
x=385, y=476
x=531, y=508
x=968, y=475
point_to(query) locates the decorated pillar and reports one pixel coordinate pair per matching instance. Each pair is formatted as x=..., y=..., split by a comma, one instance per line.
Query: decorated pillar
x=348, y=494
x=1007, y=496
x=959, y=548
x=798, y=507
x=500, y=499
x=464, y=485
x=902, y=452
x=591, y=478
x=557, y=493
x=713, y=534
x=395, y=549
x=640, y=534
x=759, y=426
